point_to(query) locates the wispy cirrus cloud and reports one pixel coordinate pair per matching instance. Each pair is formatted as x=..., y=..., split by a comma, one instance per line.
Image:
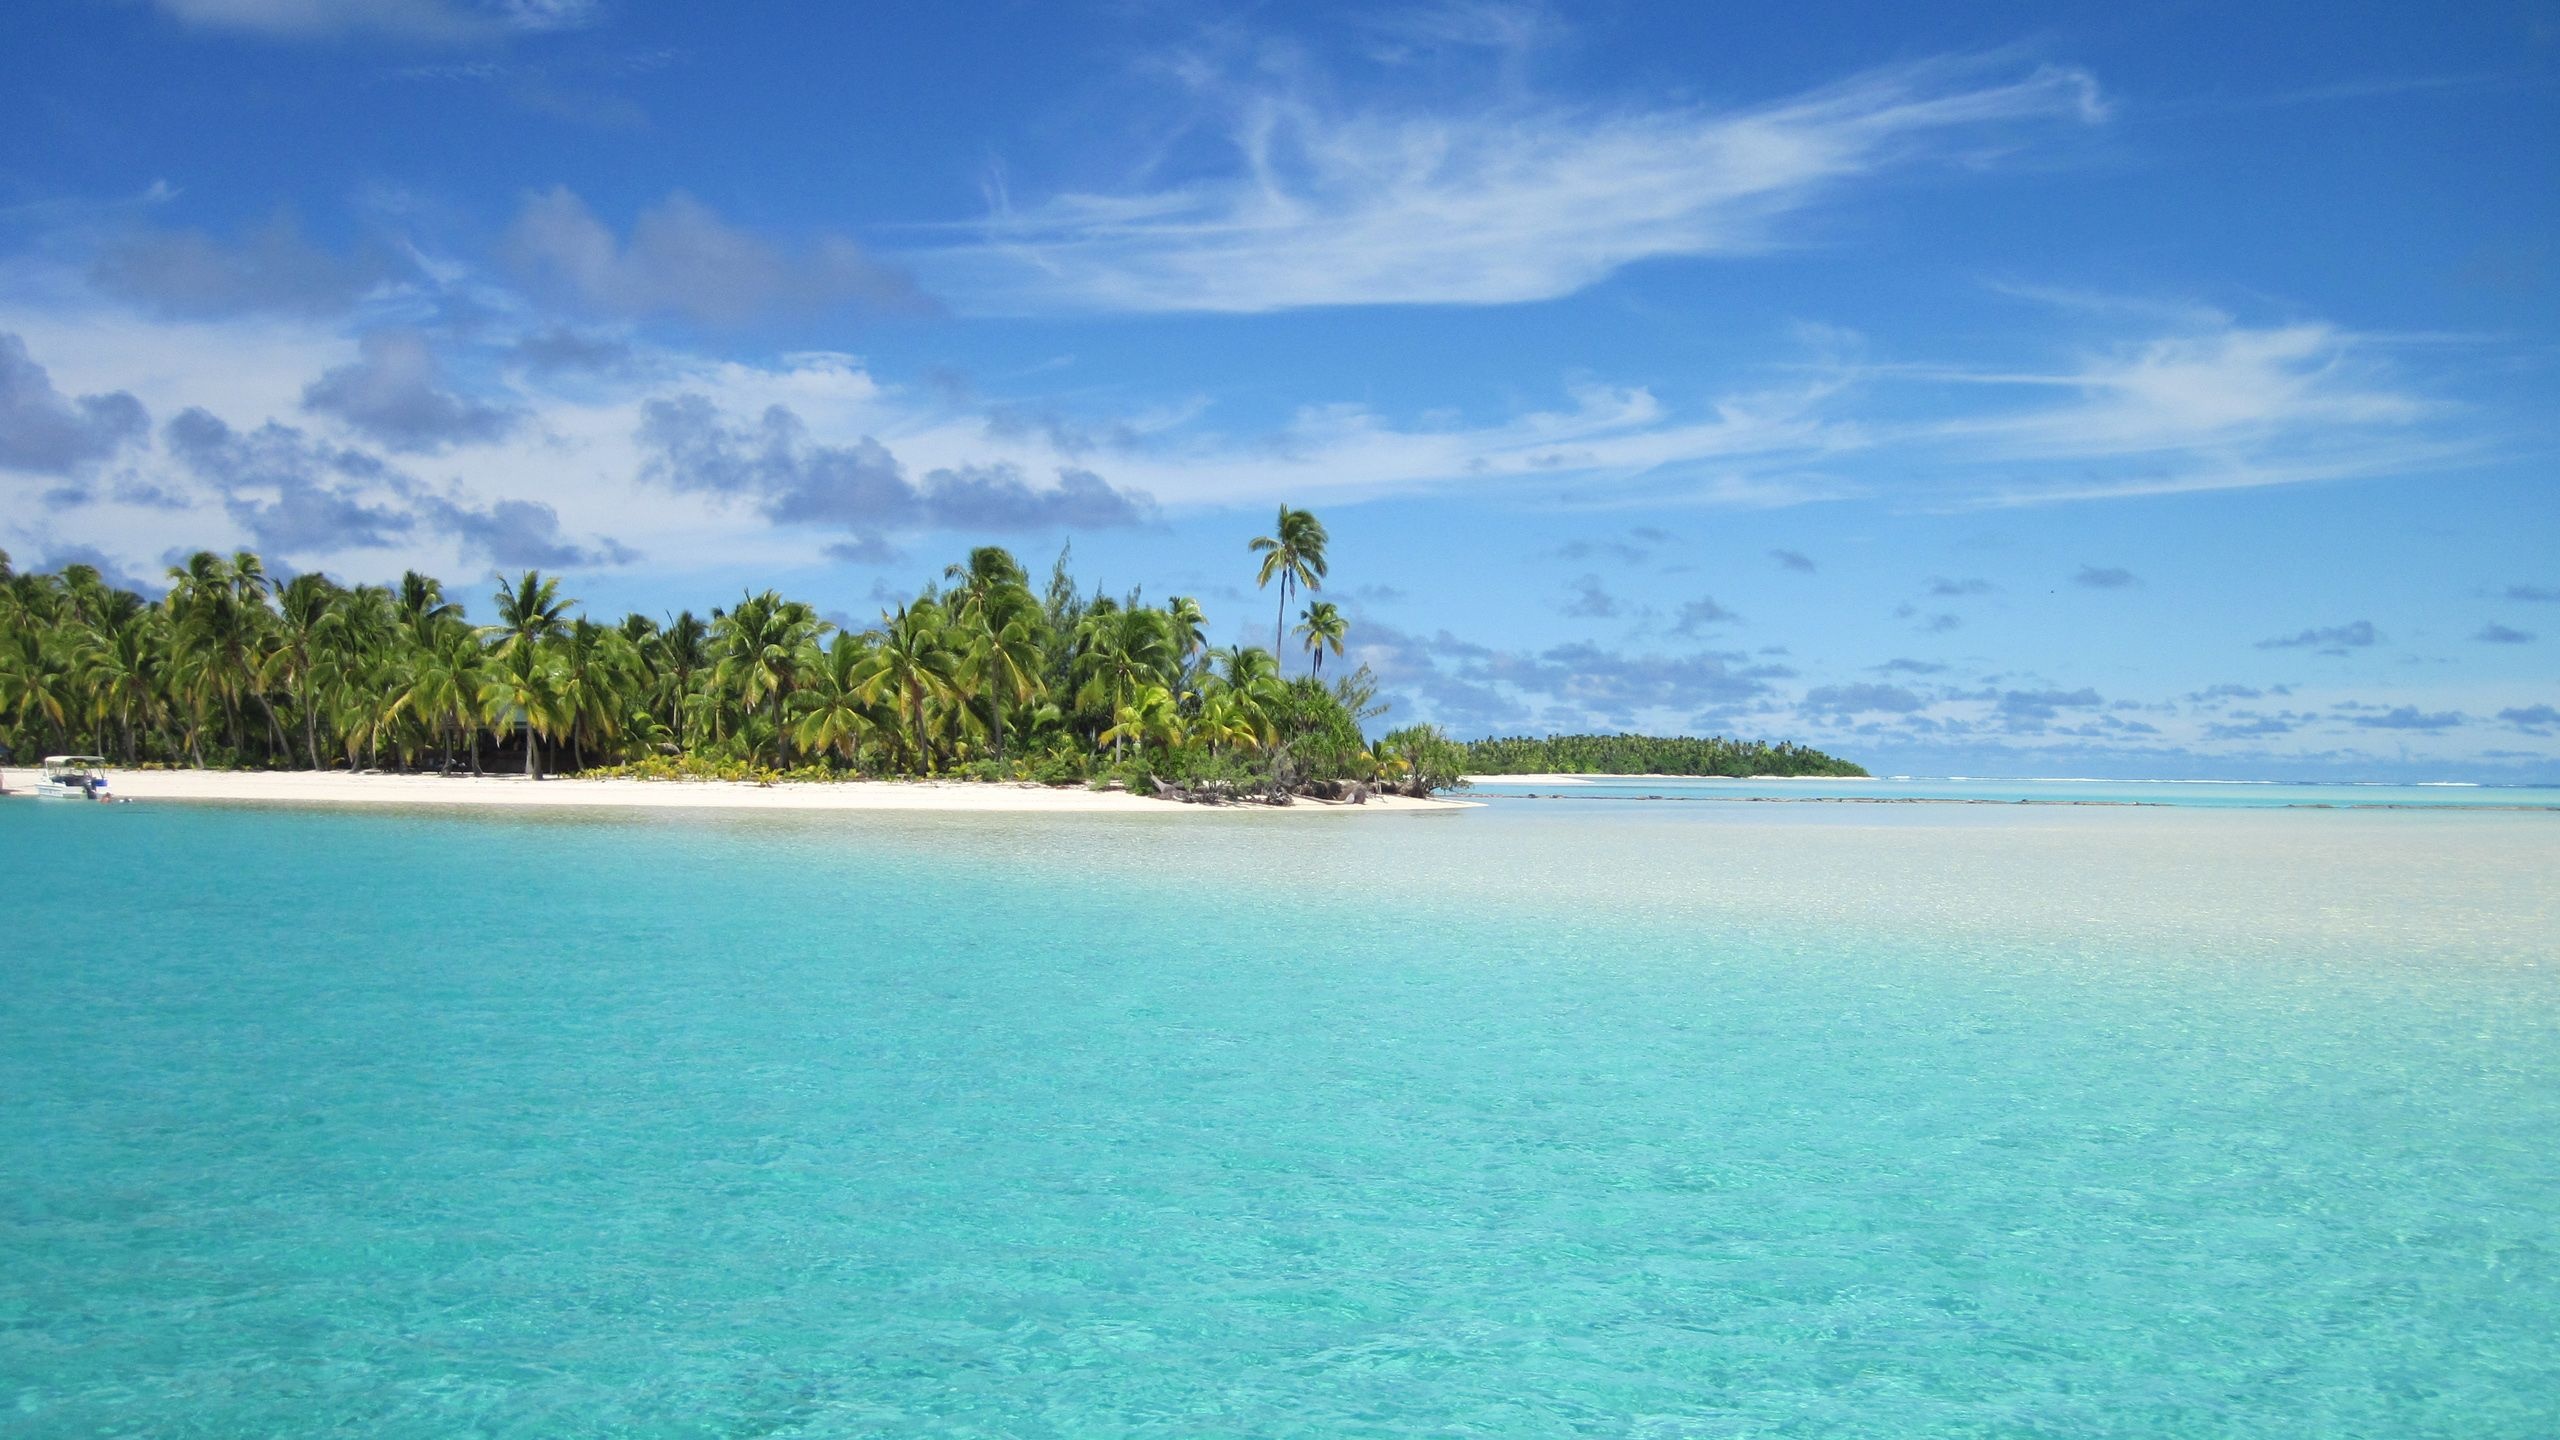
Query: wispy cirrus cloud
x=1322, y=203
x=430, y=21
x=2212, y=405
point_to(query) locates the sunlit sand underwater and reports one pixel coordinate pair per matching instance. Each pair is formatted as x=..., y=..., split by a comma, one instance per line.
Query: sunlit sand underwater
x=1544, y=1118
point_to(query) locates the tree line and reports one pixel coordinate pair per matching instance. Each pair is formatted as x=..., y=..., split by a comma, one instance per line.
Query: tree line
x=982, y=675
x=1647, y=755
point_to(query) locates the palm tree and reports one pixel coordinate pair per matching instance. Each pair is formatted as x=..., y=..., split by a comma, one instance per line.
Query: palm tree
x=999, y=620
x=1122, y=650
x=832, y=715
x=1151, y=713
x=530, y=612
x=444, y=686
x=523, y=685
x=423, y=607
x=1322, y=625
x=1293, y=554
x=760, y=647
x=1190, y=626
x=305, y=606
x=913, y=667
x=675, y=654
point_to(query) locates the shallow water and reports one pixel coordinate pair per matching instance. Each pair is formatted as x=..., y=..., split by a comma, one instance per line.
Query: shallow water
x=2185, y=794
x=1536, y=1119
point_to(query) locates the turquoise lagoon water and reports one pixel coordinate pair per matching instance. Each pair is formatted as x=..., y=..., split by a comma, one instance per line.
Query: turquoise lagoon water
x=2196, y=794
x=1657, y=1121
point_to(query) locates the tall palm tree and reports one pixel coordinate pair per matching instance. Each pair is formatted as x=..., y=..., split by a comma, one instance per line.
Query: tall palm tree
x=680, y=649
x=831, y=717
x=914, y=668
x=1293, y=554
x=444, y=686
x=530, y=612
x=1122, y=650
x=760, y=647
x=304, y=607
x=1321, y=625
x=523, y=685
x=1190, y=626
x=998, y=620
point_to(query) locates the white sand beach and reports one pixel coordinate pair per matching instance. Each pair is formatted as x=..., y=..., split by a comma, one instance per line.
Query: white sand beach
x=340, y=788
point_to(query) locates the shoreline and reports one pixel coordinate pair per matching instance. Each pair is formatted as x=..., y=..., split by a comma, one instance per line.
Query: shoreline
x=338, y=787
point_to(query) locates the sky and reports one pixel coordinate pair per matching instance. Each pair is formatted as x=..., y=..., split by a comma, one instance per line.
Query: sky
x=2002, y=389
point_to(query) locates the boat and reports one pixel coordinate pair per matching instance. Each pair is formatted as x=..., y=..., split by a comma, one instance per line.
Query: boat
x=74, y=777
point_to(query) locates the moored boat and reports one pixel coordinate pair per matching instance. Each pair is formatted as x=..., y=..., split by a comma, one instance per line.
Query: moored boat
x=73, y=777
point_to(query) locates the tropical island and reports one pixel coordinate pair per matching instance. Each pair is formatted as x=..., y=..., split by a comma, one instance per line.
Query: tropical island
x=984, y=675
x=1711, y=755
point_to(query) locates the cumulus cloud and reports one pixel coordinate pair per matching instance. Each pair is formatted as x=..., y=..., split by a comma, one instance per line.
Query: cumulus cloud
x=862, y=487
x=298, y=495
x=188, y=274
x=2327, y=639
x=45, y=432
x=1863, y=698
x=1793, y=560
x=2497, y=634
x=1492, y=203
x=518, y=533
x=2105, y=577
x=394, y=393
x=2408, y=717
x=293, y=495
x=2536, y=719
x=560, y=348
x=2249, y=727
x=2027, y=708
x=1696, y=615
x=681, y=259
x=1480, y=688
x=1944, y=587
x=2533, y=594
x=1589, y=600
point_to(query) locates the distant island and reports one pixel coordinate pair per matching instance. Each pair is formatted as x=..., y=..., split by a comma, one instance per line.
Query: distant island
x=1648, y=755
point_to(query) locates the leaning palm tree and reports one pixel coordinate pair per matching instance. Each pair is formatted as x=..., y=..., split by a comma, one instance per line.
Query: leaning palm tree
x=1293, y=554
x=1320, y=626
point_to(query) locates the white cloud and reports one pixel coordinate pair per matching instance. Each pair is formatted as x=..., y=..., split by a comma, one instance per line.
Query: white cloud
x=422, y=20
x=682, y=259
x=2213, y=404
x=1325, y=205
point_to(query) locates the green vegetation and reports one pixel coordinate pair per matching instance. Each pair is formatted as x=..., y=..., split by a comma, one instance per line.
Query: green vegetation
x=1647, y=755
x=981, y=676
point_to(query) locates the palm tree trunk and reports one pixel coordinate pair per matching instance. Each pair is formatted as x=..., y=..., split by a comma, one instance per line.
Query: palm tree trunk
x=310, y=726
x=532, y=752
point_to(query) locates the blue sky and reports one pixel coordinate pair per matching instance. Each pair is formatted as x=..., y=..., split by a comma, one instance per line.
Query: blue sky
x=2027, y=389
